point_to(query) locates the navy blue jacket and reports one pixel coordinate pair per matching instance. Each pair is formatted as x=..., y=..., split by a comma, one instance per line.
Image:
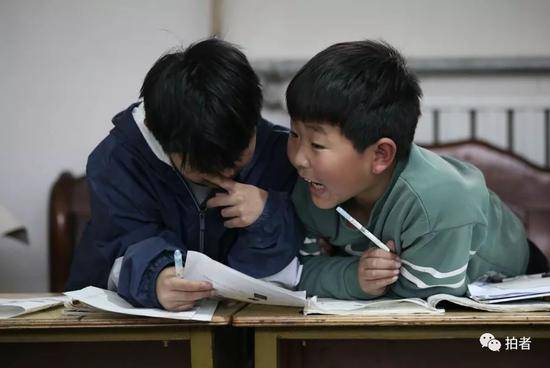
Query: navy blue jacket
x=143, y=210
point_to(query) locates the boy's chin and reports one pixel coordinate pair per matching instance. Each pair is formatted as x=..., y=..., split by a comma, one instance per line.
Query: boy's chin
x=324, y=204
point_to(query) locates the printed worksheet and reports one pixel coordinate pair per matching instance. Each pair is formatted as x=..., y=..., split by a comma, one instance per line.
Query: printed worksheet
x=232, y=284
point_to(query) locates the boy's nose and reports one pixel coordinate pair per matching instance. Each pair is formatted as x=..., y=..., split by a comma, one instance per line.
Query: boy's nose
x=300, y=160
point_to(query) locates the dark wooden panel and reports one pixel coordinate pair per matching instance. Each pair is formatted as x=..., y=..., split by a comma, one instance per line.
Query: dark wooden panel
x=406, y=354
x=96, y=354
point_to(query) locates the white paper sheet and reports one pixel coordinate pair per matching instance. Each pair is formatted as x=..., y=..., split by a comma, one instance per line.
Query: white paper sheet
x=521, y=287
x=413, y=306
x=8, y=222
x=16, y=307
x=525, y=306
x=369, y=307
x=110, y=301
x=232, y=284
x=12, y=227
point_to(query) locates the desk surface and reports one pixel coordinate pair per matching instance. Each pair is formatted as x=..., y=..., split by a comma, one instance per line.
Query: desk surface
x=52, y=325
x=55, y=318
x=255, y=315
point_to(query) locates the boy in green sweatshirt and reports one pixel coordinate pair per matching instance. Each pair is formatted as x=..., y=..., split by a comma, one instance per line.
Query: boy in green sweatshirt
x=354, y=108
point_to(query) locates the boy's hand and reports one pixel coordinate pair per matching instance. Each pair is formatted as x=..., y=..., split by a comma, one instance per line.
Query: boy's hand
x=176, y=294
x=325, y=247
x=378, y=269
x=243, y=203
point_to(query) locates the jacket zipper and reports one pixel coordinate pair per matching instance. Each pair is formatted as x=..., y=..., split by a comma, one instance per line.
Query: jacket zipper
x=202, y=224
x=201, y=211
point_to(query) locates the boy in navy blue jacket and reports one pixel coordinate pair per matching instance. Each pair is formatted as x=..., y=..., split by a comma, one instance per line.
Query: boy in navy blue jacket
x=192, y=167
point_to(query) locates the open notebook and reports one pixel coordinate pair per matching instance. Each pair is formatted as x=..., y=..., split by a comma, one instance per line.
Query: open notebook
x=17, y=307
x=413, y=306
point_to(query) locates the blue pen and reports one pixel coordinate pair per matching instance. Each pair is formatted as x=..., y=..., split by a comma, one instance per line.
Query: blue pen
x=178, y=260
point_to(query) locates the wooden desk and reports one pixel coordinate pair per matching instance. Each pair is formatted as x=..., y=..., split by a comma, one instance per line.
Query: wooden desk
x=274, y=325
x=53, y=326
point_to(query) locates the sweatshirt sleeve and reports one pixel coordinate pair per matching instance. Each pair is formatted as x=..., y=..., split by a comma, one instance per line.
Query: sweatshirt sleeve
x=437, y=262
x=272, y=241
x=323, y=275
x=331, y=277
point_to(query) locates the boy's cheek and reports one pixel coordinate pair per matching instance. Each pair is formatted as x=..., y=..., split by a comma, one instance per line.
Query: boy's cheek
x=291, y=153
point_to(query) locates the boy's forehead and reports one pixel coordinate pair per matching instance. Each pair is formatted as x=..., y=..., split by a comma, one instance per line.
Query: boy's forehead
x=316, y=126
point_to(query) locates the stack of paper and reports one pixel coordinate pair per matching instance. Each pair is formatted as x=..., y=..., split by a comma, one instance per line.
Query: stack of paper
x=413, y=306
x=369, y=307
x=516, y=288
x=110, y=301
x=16, y=307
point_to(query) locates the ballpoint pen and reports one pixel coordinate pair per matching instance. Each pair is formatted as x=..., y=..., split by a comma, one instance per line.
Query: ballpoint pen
x=178, y=260
x=362, y=229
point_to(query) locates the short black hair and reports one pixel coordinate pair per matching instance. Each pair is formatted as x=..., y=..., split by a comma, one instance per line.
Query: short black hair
x=204, y=103
x=363, y=87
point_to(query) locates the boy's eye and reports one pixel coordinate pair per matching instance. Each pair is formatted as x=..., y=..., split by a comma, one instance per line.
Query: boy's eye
x=293, y=134
x=317, y=146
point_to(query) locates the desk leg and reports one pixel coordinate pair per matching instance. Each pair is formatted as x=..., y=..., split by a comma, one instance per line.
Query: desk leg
x=265, y=350
x=202, y=352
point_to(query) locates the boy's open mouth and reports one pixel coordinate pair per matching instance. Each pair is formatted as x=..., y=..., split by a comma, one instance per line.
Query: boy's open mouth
x=314, y=184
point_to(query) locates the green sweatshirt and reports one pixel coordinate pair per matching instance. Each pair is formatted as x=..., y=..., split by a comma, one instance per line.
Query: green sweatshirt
x=448, y=227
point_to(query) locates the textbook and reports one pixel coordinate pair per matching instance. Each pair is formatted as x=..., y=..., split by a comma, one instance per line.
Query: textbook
x=500, y=290
x=413, y=306
x=16, y=307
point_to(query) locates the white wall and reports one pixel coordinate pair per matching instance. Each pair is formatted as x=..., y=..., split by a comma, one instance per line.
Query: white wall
x=66, y=67
x=290, y=28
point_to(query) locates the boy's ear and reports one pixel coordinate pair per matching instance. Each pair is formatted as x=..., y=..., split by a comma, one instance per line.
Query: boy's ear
x=384, y=151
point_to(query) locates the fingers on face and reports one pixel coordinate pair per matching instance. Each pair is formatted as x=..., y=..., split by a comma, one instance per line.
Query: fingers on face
x=225, y=200
x=220, y=181
x=219, y=200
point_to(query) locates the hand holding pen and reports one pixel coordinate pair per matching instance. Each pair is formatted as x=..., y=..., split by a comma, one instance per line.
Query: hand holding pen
x=378, y=267
x=175, y=293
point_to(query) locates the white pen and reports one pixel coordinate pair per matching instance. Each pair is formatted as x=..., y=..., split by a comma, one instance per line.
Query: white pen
x=362, y=229
x=178, y=260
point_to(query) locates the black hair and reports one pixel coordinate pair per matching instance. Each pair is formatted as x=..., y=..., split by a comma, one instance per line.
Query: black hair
x=364, y=88
x=204, y=103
